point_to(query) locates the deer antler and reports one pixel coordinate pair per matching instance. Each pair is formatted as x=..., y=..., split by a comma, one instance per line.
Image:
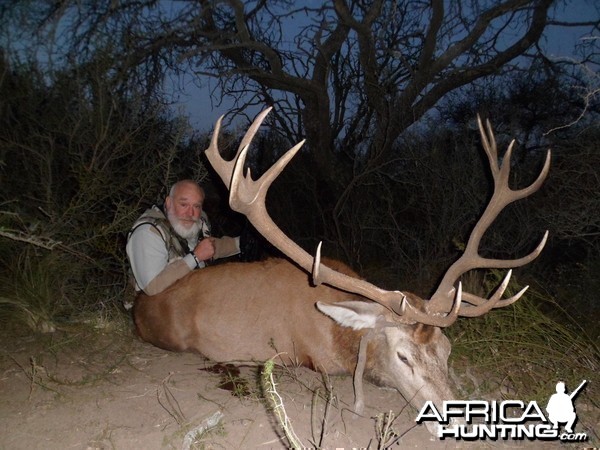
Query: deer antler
x=247, y=196
x=503, y=195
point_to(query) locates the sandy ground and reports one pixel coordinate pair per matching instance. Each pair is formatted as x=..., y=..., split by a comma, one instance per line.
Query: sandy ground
x=83, y=390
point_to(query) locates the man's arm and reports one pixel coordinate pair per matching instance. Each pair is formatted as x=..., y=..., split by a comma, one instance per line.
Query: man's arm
x=149, y=258
x=226, y=246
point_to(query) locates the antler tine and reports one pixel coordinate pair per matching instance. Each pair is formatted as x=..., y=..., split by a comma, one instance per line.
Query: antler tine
x=222, y=167
x=316, y=265
x=225, y=168
x=533, y=187
x=502, y=196
x=256, y=123
x=477, y=301
x=244, y=192
x=482, y=306
x=488, y=141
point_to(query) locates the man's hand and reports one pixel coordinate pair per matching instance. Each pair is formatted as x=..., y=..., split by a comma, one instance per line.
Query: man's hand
x=205, y=249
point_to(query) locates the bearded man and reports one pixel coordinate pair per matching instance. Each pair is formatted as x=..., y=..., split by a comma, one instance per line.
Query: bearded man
x=164, y=246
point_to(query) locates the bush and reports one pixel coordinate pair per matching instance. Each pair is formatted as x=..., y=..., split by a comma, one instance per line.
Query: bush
x=79, y=162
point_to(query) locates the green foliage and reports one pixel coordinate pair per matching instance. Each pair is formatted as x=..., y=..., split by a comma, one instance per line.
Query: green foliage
x=43, y=292
x=80, y=161
x=36, y=293
x=530, y=345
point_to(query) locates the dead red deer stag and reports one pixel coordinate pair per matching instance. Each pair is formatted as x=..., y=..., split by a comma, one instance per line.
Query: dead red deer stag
x=250, y=312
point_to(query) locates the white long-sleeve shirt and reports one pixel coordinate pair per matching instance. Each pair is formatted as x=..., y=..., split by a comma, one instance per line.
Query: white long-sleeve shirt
x=155, y=256
x=148, y=256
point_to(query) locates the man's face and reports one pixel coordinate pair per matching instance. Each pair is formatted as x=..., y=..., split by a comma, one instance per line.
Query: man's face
x=184, y=208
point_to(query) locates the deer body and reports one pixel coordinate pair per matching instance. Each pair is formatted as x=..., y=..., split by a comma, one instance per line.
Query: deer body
x=251, y=312
x=245, y=312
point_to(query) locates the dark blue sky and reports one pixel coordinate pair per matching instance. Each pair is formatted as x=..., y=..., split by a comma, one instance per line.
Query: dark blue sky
x=560, y=43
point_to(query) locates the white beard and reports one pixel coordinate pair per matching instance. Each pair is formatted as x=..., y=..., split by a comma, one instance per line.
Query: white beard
x=188, y=233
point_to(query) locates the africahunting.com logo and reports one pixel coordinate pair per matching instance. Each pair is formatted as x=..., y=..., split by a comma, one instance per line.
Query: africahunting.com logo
x=509, y=419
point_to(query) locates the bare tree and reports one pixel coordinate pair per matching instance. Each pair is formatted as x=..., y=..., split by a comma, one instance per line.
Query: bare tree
x=350, y=75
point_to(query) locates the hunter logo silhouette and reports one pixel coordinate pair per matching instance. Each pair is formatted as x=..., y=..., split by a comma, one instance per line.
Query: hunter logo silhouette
x=560, y=406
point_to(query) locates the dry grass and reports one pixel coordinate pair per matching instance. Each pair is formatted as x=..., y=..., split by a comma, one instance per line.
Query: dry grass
x=521, y=351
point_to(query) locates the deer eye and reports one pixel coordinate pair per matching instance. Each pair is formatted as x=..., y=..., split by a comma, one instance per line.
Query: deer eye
x=403, y=358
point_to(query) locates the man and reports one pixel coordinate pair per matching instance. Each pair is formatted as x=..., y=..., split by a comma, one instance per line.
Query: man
x=163, y=247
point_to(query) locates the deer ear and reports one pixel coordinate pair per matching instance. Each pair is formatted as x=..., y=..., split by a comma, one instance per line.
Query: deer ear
x=354, y=314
